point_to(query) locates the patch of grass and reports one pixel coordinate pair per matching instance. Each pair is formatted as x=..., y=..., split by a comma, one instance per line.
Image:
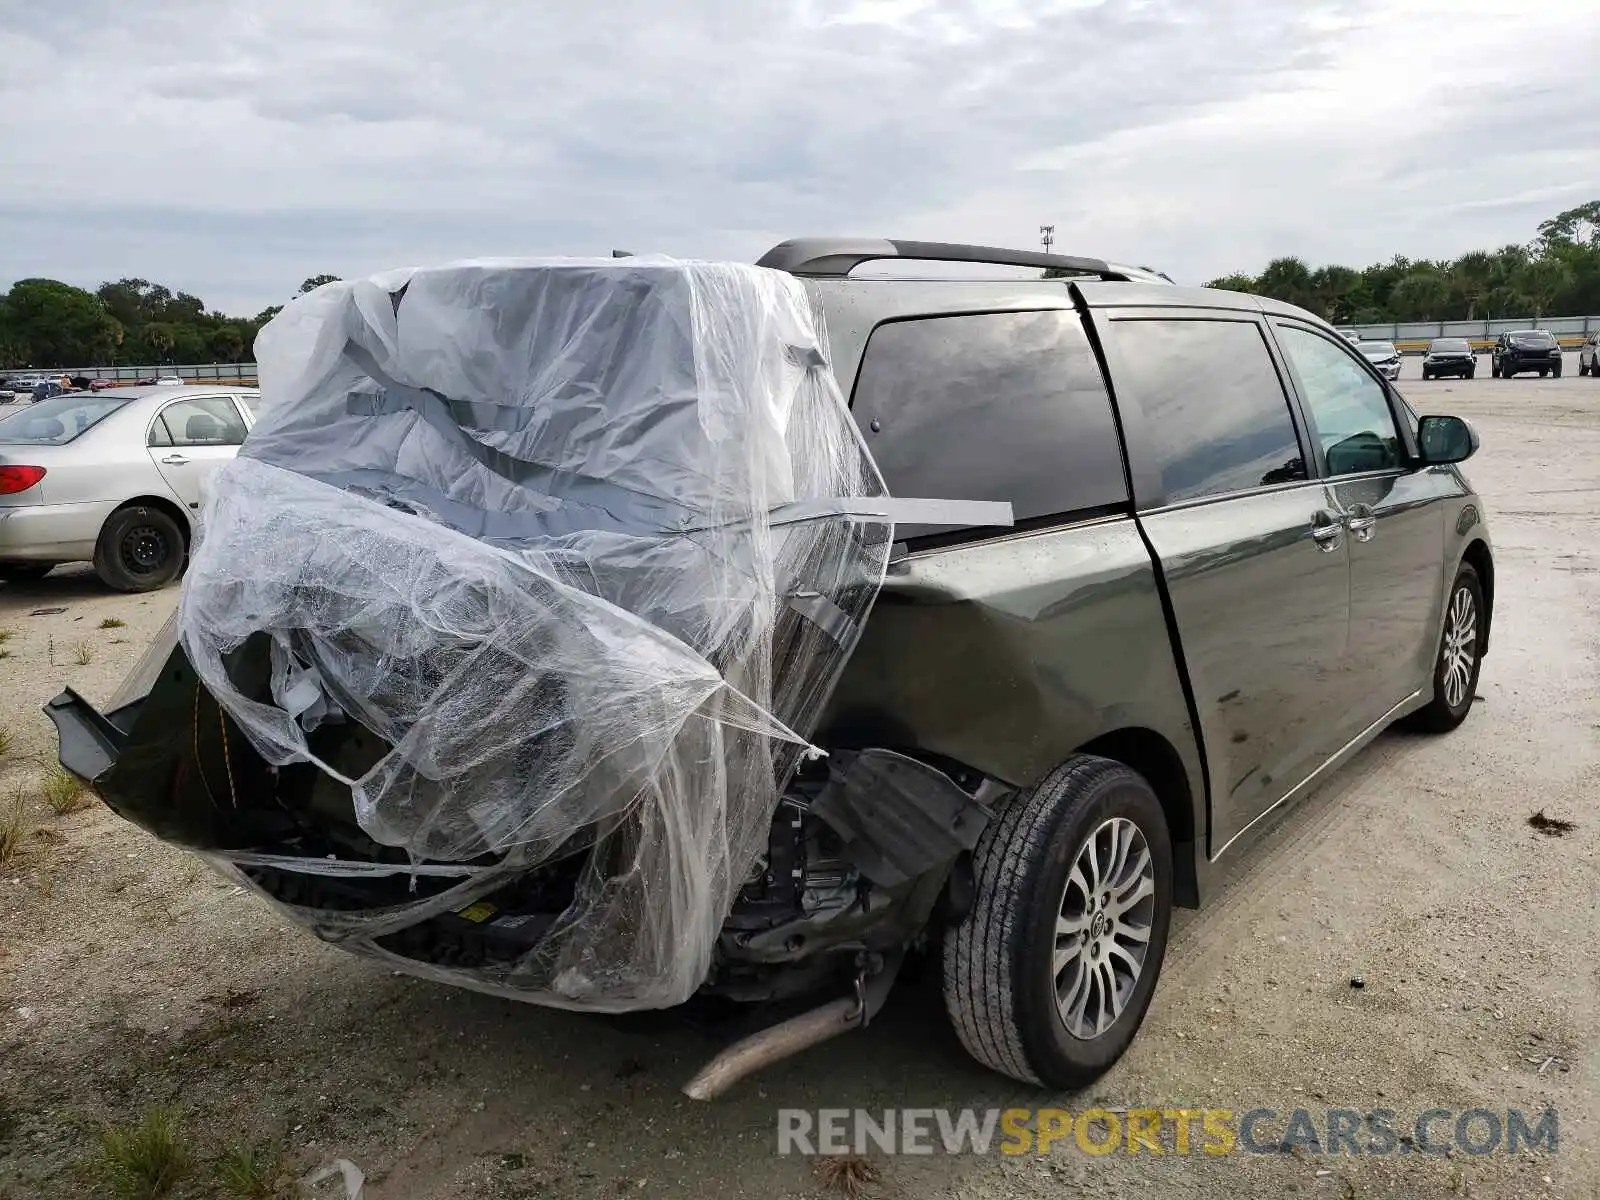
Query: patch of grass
x=82, y=653
x=63, y=791
x=847, y=1173
x=112, y=623
x=5, y=741
x=255, y=1173
x=6, y=635
x=1551, y=826
x=15, y=828
x=4, y=653
x=147, y=1161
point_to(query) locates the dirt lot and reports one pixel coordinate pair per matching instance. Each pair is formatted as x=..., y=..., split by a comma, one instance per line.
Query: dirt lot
x=130, y=977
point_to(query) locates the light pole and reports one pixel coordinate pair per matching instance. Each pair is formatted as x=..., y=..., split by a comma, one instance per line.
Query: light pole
x=1047, y=235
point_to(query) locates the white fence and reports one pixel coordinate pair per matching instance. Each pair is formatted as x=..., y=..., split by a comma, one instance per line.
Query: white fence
x=242, y=372
x=1571, y=332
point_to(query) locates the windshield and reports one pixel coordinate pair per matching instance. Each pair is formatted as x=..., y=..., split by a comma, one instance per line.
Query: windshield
x=1378, y=349
x=56, y=421
x=1450, y=345
x=1534, y=337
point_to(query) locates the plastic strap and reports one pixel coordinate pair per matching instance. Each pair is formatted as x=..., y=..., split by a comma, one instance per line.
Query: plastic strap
x=347, y=867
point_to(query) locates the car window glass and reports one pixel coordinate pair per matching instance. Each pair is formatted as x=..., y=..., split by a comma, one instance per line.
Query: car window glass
x=1349, y=408
x=1215, y=409
x=993, y=406
x=158, y=433
x=204, y=421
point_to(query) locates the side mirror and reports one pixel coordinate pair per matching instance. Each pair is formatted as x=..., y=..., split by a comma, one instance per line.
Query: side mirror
x=1444, y=440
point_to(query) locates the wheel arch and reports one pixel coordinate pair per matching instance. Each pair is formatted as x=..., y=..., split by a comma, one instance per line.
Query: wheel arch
x=1157, y=759
x=1477, y=553
x=164, y=505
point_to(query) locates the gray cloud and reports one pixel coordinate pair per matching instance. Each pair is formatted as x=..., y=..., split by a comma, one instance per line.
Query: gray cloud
x=232, y=155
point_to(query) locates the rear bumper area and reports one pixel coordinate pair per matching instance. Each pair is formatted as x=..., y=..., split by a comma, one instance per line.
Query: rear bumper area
x=52, y=532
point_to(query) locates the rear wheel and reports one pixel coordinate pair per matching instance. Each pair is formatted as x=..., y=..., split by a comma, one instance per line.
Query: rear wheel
x=1426, y=376
x=140, y=549
x=1048, y=977
x=1471, y=371
x=24, y=572
x=1555, y=372
x=1455, y=672
x=1497, y=373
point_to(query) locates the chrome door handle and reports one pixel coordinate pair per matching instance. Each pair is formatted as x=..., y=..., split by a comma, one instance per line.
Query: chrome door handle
x=1325, y=530
x=1361, y=522
x=176, y=460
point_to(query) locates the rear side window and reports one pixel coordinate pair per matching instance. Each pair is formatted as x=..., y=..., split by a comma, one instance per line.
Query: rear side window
x=992, y=406
x=1215, y=412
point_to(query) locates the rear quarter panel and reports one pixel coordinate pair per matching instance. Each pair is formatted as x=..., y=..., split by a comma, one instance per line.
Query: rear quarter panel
x=1010, y=654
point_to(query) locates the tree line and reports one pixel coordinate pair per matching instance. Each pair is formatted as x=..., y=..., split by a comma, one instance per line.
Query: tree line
x=47, y=323
x=1556, y=274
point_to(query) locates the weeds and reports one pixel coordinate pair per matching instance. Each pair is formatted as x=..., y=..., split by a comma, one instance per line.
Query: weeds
x=847, y=1173
x=63, y=791
x=4, y=653
x=15, y=828
x=255, y=1173
x=147, y=1161
x=5, y=741
x=82, y=653
x=6, y=635
x=112, y=623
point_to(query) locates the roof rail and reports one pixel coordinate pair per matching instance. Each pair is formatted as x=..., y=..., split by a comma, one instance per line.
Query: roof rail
x=837, y=257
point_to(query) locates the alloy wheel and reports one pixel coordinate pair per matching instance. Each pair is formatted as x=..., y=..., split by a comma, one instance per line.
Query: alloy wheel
x=1103, y=928
x=1460, y=646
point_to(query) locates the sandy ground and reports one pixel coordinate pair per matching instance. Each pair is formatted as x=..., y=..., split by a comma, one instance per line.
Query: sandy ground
x=131, y=977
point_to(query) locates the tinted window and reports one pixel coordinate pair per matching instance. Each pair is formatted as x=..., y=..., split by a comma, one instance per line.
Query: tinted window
x=1450, y=345
x=1348, y=406
x=1214, y=407
x=1534, y=338
x=204, y=421
x=998, y=406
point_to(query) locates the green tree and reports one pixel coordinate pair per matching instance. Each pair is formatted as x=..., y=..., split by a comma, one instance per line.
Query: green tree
x=316, y=281
x=58, y=325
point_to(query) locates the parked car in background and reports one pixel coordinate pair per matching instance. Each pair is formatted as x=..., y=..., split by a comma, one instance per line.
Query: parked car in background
x=1589, y=355
x=112, y=478
x=1384, y=357
x=1450, y=356
x=170, y=381
x=1526, y=350
x=1353, y=338
x=100, y=385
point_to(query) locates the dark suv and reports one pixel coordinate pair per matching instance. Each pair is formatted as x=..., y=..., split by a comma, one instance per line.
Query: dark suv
x=1526, y=350
x=1237, y=556
x=1450, y=357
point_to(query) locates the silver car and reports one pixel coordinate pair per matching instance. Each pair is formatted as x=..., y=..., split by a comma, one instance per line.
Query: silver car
x=113, y=477
x=1383, y=356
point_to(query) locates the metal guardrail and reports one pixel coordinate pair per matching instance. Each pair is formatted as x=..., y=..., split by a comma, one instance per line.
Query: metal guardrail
x=238, y=373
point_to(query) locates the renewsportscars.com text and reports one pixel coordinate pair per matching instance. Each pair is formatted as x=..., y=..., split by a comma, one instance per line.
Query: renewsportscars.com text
x=1212, y=1131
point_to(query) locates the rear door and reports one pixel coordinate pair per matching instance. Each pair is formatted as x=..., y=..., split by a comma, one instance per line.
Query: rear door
x=1391, y=512
x=190, y=438
x=1254, y=555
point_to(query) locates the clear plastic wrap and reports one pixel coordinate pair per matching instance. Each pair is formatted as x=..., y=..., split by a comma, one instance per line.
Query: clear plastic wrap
x=586, y=545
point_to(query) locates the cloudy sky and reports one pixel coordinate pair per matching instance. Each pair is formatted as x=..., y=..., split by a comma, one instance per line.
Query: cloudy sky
x=231, y=150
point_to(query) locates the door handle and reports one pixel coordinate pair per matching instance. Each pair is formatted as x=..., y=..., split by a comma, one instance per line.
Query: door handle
x=1325, y=530
x=1361, y=522
x=175, y=460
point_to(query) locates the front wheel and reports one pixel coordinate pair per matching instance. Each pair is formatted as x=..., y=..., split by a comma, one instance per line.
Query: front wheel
x=1048, y=977
x=1472, y=372
x=1455, y=671
x=1555, y=372
x=1496, y=372
x=140, y=549
x=1426, y=377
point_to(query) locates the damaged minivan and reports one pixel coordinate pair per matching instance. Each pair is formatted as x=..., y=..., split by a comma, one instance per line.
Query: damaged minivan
x=607, y=634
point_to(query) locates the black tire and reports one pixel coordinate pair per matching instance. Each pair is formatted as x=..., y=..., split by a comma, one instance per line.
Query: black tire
x=1471, y=373
x=1582, y=370
x=1440, y=715
x=1426, y=377
x=999, y=969
x=24, y=572
x=1555, y=372
x=1496, y=372
x=140, y=549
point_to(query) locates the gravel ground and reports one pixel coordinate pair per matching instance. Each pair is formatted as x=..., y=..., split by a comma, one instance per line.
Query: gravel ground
x=131, y=977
